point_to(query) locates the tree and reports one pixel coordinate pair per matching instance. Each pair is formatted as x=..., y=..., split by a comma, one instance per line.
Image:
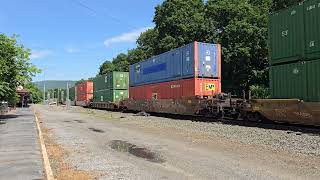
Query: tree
x=241, y=28
x=106, y=67
x=137, y=54
x=15, y=69
x=281, y=4
x=80, y=81
x=35, y=94
x=121, y=62
x=179, y=22
x=148, y=41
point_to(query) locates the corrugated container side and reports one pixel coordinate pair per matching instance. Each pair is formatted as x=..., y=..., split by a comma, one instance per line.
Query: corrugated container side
x=112, y=80
x=120, y=80
x=312, y=28
x=85, y=91
x=288, y=81
x=110, y=95
x=313, y=80
x=192, y=60
x=72, y=93
x=286, y=35
x=208, y=60
x=177, y=89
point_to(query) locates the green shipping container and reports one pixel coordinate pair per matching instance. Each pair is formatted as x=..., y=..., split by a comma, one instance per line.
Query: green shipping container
x=110, y=95
x=288, y=81
x=72, y=93
x=286, y=33
x=312, y=28
x=313, y=80
x=113, y=80
x=296, y=81
x=294, y=33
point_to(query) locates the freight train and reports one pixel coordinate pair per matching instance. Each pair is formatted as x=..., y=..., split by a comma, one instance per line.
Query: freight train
x=187, y=80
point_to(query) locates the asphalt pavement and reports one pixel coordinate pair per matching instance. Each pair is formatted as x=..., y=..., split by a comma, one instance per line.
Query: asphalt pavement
x=20, y=153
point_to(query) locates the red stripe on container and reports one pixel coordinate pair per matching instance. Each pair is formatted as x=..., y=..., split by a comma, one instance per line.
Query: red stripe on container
x=177, y=89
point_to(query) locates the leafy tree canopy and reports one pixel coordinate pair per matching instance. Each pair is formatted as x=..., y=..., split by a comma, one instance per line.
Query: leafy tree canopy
x=36, y=96
x=16, y=70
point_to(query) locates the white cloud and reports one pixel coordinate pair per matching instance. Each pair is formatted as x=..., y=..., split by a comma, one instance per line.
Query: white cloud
x=71, y=50
x=125, y=37
x=38, y=54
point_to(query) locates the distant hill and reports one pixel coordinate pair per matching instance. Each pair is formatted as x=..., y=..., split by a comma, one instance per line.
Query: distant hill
x=52, y=84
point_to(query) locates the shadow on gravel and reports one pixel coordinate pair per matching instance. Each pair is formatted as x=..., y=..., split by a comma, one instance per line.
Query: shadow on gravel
x=2, y=122
x=96, y=130
x=123, y=146
x=67, y=121
x=289, y=128
x=79, y=121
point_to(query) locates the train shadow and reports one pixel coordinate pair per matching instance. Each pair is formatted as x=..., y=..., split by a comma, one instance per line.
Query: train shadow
x=289, y=128
x=8, y=116
x=5, y=118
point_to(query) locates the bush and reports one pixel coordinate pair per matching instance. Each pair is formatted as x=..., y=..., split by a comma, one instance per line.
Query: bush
x=259, y=92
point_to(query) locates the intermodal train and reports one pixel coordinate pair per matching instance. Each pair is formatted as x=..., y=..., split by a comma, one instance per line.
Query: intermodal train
x=187, y=80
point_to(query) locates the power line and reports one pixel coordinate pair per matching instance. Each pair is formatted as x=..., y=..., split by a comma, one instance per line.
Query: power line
x=83, y=5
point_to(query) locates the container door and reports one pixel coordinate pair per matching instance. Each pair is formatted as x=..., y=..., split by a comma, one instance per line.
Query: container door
x=187, y=53
x=312, y=28
x=313, y=80
x=286, y=34
x=120, y=80
x=288, y=81
x=132, y=76
x=208, y=60
x=176, y=64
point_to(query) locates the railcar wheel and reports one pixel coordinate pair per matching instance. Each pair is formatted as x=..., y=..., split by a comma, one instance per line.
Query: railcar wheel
x=252, y=116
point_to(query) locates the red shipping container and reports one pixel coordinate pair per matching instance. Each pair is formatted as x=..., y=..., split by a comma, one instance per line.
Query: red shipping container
x=177, y=89
x=84, y=93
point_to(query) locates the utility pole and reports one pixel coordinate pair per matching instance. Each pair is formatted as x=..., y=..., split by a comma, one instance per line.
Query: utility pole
x=67, y=99
x=58, y=97
x=44, y=87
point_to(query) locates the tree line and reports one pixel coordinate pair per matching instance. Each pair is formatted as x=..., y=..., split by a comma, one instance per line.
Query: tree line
x=15, y=70
x=240, y=26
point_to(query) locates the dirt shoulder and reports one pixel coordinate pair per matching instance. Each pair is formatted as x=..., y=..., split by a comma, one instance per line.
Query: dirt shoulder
x=57, y=154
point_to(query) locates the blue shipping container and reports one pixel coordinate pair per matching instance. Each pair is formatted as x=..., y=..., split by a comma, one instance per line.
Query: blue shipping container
x=193, y=60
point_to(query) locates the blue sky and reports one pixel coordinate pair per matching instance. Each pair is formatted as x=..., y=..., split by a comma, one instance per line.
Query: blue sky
x=70, y=39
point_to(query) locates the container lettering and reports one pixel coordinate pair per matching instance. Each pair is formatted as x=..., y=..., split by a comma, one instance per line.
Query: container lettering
x=311, y=44
x=175, y=86
x=284, y=33
x=210, y=87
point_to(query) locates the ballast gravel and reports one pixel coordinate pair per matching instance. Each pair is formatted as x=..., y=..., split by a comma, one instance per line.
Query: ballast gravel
x=305, y=140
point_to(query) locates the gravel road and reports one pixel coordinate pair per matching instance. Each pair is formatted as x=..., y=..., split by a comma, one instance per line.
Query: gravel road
x=113, y=145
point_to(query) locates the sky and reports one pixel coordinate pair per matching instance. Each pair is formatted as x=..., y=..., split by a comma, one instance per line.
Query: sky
x=70, y=39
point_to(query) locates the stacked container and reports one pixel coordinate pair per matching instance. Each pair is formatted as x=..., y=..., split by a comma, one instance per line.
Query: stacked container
x=295, y=52
x=188, y=71
x=84, y=93
x=111, y=87
x=72, y=95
